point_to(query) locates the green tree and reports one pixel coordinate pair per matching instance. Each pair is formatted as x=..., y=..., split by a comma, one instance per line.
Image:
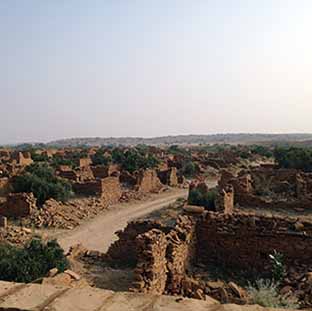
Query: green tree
x=100, y=159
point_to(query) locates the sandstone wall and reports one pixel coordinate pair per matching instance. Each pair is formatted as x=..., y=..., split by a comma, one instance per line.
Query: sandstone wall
x=111, y=190
x=124, y=250
x=180, y=253
x=148, y=181
x=108, y=188
x=151, y=270
x=93, y=187
x=5, y=187
x=102, y=171
x=83, y=162
x=169, y=177
x=22, y=158
x=245, y=241
x=225, y=200
x=160, y=253
x=18, y=205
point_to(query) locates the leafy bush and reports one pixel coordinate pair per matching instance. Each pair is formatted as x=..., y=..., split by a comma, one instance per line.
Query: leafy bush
x=100, y=159
x=189, y=169
x=197, y=197
x=31, y=262
x=293, y=157
x=40, y=179
x=265, y=293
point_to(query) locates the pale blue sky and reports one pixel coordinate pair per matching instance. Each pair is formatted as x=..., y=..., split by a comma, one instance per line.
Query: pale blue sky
x=153, y=67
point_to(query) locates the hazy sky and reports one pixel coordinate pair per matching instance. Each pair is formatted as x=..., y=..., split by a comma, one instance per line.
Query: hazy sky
x=153, y=67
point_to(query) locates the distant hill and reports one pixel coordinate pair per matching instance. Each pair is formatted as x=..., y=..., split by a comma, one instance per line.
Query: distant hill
x=185, y=140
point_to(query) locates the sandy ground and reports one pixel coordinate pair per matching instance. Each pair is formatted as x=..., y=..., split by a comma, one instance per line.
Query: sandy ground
x=99, y=233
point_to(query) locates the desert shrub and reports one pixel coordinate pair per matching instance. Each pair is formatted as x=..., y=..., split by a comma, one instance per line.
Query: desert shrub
x=40, y=179
x=189, y=169
x=30, y=262
x=206, y=199
x=265, y=293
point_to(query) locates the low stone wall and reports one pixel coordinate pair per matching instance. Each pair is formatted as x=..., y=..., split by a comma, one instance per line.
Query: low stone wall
x=245, y=241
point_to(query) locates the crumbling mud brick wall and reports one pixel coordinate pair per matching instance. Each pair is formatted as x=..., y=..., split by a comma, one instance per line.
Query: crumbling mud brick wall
x=83, y=162
x=22, y=158
x=180, y=253
x=274, y=180
x=68, y=174
x=244, y=241
x=225, y=200
x=5, y=186
x=286, y=189
x=93, y=187
x=148, y=181
x=127, y=179
x=169, y=177
x=18, y=205
x=111, y=190
x=102, y=171
x=151, y=271
x=85, y=173
x=108, y=188
x=124, y=251
x=161, y=254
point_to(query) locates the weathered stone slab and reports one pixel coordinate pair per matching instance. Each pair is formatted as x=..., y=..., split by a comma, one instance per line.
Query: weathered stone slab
x=82, y=299
x=31, y=296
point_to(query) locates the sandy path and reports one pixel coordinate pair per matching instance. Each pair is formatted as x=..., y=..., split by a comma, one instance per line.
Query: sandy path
x=98, y=233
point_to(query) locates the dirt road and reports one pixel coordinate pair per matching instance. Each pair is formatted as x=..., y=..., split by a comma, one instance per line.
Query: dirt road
x=98, y=233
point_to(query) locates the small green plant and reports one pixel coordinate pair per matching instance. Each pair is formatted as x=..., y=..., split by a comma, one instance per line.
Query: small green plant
x=278, y=266
x=265, y=293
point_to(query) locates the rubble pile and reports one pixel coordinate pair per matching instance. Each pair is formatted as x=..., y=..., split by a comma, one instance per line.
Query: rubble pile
x=15, y=235
x=67, y=215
